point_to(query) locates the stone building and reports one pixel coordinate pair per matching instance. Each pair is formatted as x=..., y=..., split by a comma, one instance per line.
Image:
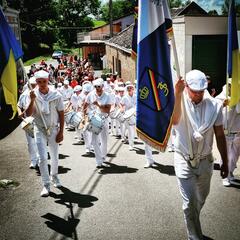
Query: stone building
x=118, y=55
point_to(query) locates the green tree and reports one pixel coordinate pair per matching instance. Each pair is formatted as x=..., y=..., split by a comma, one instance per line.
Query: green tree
x=225, y=7
x=120, y=8
x=213, y=13
x=73, y=18
x=175, y=3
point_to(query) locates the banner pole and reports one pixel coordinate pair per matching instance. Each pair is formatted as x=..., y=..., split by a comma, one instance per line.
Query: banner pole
x=182, y=102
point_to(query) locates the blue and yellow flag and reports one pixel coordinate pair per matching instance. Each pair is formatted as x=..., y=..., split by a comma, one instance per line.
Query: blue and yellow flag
x=10, y=52
x=233, y=56
x=155, y=94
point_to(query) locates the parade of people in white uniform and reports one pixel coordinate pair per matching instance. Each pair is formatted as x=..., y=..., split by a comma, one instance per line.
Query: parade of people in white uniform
x=95, y=108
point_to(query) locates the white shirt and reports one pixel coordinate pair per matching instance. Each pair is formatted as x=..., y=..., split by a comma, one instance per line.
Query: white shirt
x=76, y=101
x=66, y=92
x=55, y=105
x=104, y=99
x=128, y=101
x=181, y=141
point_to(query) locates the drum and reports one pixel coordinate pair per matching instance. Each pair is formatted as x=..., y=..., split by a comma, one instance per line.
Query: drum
x=129, y=116
x=96, y=123
x=68, y=116
x=76, y=119
x=27, y=125
x=115, y=113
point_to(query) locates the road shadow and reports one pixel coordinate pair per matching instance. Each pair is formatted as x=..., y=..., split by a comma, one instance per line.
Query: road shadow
x=62, y=226
x=141, y=151
x=62, y=156
x=111, y=155
x=116, y=169
x=207, y=238
x=89, y=155
x=63, y=170
x=67, y=197
x=165, y=169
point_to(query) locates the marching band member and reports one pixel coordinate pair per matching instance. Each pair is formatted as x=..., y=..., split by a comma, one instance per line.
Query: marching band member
x=22, y=105
x=66, y=92
x=50, y=105
x=87, y=135
x=127, y=102
x=74, y=103
x=118, y=98
x=202, y=120
x=100, y=102
x=232, y=117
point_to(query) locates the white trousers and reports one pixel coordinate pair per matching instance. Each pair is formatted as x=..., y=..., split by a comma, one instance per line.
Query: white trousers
x=87, y=136
x=118, y=127
x=32, y=149
x=131, y=133
x=233, y=146
x=148, y=154
x=194, y=187
x=42, y=140
x=99, y=143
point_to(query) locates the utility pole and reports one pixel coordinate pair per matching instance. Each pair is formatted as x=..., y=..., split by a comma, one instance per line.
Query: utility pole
x=110, y=18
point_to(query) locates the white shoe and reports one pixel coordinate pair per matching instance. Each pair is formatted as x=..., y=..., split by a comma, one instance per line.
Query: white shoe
x=32, y=166
x=56, y=182
x=147, y=165
x=226, y=182
x=45, y=191
x=131, y=148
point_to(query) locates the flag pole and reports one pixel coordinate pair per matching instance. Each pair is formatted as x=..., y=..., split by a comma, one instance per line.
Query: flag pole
x=182, y=101
x=37, y=106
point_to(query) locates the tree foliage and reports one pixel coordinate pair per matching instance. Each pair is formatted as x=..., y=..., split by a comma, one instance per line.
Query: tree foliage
x=49, y=22
x=225, y=7
x=120, y=8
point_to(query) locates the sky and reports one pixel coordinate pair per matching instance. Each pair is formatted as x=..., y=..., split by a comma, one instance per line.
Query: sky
x=205, y=4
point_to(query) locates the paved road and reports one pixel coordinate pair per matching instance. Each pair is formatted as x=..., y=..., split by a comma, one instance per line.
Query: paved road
x=122, y=202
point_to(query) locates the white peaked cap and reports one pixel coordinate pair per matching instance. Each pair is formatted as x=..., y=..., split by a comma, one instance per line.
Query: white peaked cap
x=32, y=80
x=196, y=80
x=66, y=82
x=77, y=88
x=87, y=87
x=41, y=74
x=120, y=89
x=98, y=82
x=127, y=82
x=59, y=84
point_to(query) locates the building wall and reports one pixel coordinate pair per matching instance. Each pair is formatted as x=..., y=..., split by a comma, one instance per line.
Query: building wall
x=179, y=33
x=128, y=68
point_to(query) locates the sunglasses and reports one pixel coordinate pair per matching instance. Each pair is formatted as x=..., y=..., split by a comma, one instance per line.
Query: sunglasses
x=97, y=86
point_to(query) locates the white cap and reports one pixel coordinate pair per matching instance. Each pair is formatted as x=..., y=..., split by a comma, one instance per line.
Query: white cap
x=230, y=80
x=135, y=81
x=59, y=84
x=41, y=74
x=32, y=80
x=120, y=89
x=85, y=82
x=85, y=78
x=66, y=82
x=120, y=84
x=77, y=88
x=196, y=80
x=98, y=82
x=130, y=85
x=127, y=83
x=87, y=87
x=108, y=78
